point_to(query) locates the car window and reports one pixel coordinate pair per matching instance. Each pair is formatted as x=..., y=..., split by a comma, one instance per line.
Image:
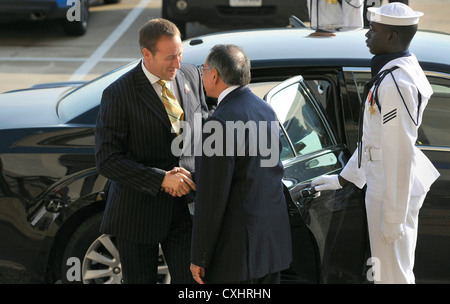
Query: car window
x=300, y=119
x=435, y=127
x=260, y=89
x=321, y=90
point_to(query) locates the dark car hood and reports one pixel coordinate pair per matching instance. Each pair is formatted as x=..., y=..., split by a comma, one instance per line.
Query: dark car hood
x=30, y=108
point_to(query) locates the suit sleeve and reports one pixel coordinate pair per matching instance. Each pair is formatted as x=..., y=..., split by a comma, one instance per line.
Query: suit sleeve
x=214, y=174
x=110, y=149
x=398, y=134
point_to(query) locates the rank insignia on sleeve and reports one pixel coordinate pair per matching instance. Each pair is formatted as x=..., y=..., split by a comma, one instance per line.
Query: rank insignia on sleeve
x=389, y=116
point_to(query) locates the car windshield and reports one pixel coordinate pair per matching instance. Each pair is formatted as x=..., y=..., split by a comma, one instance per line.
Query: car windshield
x=88, y=96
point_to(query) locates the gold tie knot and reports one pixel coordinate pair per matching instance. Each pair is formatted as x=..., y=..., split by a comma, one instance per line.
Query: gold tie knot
x=162, y=82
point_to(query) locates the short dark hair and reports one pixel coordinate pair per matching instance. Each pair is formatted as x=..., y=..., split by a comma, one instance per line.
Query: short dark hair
x=153, y=30
x=231, y=63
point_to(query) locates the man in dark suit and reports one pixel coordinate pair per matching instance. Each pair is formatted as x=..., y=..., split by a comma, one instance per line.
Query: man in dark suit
x=241, y=230
x=134, y=149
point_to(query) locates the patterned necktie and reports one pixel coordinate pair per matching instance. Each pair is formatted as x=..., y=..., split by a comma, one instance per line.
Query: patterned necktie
x=173, y=108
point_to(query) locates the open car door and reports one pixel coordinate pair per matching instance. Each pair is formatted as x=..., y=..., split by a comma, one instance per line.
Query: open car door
x=329, y=232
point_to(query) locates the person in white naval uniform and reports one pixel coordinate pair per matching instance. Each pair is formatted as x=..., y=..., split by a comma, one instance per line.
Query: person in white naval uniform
x=398, y=175
x=334, y=15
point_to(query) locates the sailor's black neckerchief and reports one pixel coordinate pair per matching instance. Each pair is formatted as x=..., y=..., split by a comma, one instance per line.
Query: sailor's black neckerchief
x=379, y=61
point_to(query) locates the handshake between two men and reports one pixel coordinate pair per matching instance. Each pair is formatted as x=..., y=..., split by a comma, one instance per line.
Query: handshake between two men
x=178, y=182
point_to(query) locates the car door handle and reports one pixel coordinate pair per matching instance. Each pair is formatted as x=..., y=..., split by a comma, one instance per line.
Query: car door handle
x=309, y=192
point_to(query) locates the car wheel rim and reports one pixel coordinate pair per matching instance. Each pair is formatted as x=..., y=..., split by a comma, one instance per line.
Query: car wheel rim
x=101, y=263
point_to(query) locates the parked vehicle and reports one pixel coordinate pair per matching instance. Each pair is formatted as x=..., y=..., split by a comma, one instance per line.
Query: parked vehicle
x=234, y=13
x=78, y=11
x=52, y=197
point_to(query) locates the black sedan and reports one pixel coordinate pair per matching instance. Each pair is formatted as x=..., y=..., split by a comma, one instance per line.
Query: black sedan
x=52, y=197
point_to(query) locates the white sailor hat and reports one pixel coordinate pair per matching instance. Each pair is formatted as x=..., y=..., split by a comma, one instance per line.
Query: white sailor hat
x=394, y=13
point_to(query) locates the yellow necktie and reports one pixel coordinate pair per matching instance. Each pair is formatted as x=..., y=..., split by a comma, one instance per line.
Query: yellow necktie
x=173, y=108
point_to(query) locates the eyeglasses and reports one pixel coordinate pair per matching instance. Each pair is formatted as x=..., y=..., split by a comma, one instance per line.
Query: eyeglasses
x=203, y=68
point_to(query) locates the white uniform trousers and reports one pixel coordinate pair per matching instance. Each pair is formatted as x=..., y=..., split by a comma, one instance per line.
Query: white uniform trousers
x=396, y=260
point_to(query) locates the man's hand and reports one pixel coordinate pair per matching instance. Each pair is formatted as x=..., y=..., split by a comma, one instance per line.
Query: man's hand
x=391, y=232
x=326, y=182
x=197, y=273
x=178, y=182
x=182, y=170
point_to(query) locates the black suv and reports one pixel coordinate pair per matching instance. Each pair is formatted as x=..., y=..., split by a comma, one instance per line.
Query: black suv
x=234, y=13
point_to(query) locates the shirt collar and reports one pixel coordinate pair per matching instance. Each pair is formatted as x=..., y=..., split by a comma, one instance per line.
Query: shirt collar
x=379, y=61
x=225, y=93
x=152, y=78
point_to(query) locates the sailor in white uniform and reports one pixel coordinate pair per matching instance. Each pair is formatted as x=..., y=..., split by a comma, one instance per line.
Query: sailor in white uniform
x=335, y=15
x=398, y=175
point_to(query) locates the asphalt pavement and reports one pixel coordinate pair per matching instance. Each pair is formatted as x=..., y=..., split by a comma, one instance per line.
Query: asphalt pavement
x=39, y=52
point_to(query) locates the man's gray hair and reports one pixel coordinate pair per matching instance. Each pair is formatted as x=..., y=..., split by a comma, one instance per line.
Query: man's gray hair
x=231, y=63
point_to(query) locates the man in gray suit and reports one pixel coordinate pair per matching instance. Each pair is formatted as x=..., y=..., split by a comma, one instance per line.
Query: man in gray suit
x=136, y=128
x=241, y=231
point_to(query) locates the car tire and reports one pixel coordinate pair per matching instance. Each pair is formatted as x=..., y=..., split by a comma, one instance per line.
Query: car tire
x=78, y=28
x=91, y=257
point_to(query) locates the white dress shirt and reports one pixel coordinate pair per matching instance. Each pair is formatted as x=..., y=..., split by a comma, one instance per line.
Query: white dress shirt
x=225, y=93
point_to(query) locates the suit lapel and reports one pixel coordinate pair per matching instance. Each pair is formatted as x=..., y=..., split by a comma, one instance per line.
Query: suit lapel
x=185, y=101
x=180, y=83
x=148, y=95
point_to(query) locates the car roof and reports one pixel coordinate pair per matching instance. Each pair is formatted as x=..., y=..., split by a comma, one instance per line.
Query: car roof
x=292, y=46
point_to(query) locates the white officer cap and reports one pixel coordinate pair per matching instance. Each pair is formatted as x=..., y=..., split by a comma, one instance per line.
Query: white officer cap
x=394, y=13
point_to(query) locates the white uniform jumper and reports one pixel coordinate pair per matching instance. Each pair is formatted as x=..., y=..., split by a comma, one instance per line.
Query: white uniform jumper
x=332, y=15
x=398, y=175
